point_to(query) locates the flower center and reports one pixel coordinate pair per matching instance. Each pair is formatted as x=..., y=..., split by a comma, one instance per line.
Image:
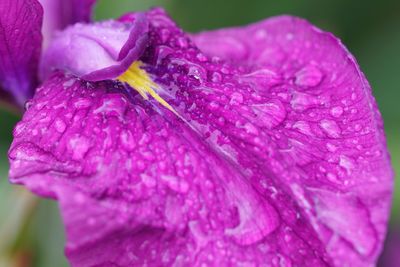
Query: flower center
x=139, y=80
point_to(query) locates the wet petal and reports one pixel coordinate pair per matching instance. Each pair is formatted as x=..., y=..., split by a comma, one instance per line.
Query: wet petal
x=128, y=165
x=104, y=49
x=58, y=14
x=267, y=163
x=20, y=43
x=292, y=106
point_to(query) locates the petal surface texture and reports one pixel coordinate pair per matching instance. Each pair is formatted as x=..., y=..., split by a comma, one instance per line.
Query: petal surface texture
x=96, y=51
x=58, y=14
x=20, y=43
x=277, y=157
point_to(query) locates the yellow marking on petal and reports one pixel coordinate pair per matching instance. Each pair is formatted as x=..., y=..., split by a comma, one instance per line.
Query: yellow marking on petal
x=139, y=80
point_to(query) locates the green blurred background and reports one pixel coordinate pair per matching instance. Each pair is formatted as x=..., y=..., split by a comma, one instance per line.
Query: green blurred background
x=32, y=234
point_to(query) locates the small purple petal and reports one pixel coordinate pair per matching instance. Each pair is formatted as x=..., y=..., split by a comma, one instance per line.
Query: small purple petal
x=97, y=51
x=20, y=43
x=58, y=14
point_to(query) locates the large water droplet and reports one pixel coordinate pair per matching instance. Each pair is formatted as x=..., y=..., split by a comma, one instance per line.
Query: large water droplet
x=270, y=114
x=336, y=111
x=302, y=101
x=330, y=128
x=331, y=147
x=346, y=163
x=28, y=105
x=60, y=125
x=263, y=77
x=309, y=76
x=236, y=98
x=78, y=145
x=303, y=127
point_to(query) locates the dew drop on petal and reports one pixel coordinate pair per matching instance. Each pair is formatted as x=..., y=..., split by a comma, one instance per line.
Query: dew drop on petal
x=331, y=147
x=309, y=76
x=303, y=127
x=60, y=125
x=270, y=114
x=330, y=128
x=236, y=98
x=336, y=111
x=28, y=104
x=331, y=177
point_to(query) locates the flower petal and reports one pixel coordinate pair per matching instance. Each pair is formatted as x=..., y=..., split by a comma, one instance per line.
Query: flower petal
x=268, y=165
x=104, y=49
x=129, y=165
x=291, y=105
x=58, y=14
x=20, y=43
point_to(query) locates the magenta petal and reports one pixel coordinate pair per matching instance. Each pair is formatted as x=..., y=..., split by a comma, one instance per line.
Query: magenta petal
x=20, y=43
x=97, y=51
x=120, y=169
x=58, y=14
x=288, y=102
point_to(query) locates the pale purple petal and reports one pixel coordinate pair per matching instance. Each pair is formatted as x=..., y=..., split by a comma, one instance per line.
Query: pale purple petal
x=97, y=51
x=20, y=43
x=277, y=159
x=58, y=14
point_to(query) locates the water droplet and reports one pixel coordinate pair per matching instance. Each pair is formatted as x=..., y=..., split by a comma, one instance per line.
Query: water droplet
x=127, y=140
x=332, y=177
x=301, y=101
x=336, y=111
x=60, y=125
x=201, y=57
x=346, y=163
x=81, y=103
x=270, y=114
x=182, y=42
x=236, y=98
x=330, y=128
x=331, y=147
x=28, y=105
x=357, y=127
x=250, y=128
x=69, y=83
x=309, y=76
x=213, y=105
x=175, y=183
x=303, y=127
x=215, y=77
x=197, y=72
x=263, y=77
x=79, y=145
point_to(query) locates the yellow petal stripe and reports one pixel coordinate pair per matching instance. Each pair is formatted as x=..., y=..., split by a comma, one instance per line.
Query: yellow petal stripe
x=139, y=80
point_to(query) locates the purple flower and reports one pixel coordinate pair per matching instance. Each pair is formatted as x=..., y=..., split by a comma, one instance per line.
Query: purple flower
x=252, y=146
